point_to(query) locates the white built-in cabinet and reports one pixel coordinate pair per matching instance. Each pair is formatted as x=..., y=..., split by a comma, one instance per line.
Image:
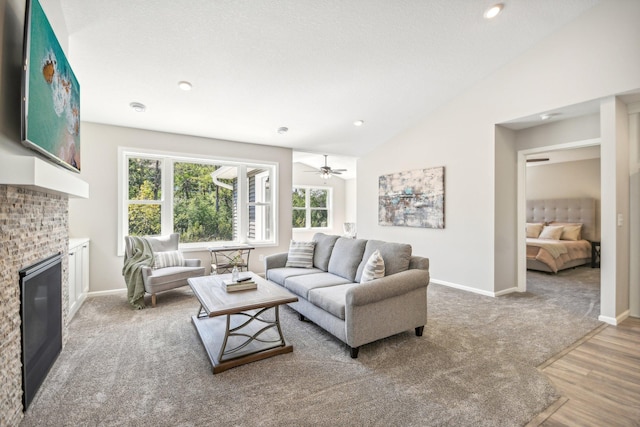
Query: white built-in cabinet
x=78, y=273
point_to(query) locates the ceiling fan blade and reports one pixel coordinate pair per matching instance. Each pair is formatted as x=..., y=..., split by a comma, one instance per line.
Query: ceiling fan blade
x=538, y=160
x=339, y=170
x=335, y=173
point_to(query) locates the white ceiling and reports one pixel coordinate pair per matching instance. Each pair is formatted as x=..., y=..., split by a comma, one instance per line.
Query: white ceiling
x=314, y=66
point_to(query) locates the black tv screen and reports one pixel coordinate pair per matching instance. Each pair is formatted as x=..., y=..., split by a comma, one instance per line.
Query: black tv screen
x=51, y=93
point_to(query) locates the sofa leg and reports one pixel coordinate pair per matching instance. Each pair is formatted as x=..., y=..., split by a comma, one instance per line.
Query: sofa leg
x=153, y=300
x=354, y=352
x=301, y=317
x=419, y=331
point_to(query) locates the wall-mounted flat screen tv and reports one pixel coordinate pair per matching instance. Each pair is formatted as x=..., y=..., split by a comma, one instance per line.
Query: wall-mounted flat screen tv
x=50, y=93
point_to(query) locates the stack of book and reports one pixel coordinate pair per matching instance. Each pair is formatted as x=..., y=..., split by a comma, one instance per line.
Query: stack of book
x=242, y=285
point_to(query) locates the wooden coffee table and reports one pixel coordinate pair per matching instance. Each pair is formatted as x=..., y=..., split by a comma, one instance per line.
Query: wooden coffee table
x=239, y=327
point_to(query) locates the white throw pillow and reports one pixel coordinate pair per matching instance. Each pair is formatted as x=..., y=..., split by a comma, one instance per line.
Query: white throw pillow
x=300, y=254
x=374, y=268
x=551, y=232
x=168, y=259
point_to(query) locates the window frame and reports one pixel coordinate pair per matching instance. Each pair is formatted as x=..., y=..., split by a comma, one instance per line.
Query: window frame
x=166, y=200
x=308, y=209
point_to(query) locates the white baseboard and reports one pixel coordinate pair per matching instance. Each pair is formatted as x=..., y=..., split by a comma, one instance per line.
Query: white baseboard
x=463, y=288
x=506, y=291
x=614, y=320
x=103, y=293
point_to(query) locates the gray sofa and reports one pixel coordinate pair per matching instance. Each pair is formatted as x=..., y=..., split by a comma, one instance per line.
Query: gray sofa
x=330, y=294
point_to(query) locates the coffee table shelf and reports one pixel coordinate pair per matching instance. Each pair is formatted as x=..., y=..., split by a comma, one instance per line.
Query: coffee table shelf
x=239, y=327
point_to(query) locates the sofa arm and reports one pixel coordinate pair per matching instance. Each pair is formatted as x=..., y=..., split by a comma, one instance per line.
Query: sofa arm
x=275, y=261
x=192, y=263
x=387, y=287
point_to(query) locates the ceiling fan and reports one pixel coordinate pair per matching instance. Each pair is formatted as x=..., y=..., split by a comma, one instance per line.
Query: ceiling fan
x=544, y=159
x=326, y=172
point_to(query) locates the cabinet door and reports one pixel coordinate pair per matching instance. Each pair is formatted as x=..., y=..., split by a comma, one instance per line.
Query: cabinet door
x=78, y=280
x=73, y=255
x=85, y=268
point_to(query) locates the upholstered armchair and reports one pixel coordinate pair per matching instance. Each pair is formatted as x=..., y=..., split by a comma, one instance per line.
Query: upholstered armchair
x=169, y=269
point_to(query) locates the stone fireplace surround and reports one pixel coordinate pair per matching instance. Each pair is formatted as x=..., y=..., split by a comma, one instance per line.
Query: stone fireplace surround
x=33, y=225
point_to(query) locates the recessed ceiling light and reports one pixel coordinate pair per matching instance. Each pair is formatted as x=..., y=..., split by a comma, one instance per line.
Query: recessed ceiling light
x=358, y=123
x=282, y=130
x=493, y=11
x=186, y=86
x=138, y=107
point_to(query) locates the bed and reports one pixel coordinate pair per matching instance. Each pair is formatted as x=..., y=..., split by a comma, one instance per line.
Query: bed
x=559, y=233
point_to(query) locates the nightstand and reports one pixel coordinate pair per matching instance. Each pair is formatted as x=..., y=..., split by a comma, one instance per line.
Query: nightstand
x=595, y=254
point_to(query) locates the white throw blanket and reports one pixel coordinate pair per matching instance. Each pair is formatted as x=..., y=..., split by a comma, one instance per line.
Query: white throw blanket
x=554, y=247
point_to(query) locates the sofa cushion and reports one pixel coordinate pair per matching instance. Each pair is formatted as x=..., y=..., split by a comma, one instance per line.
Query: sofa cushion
x=331, y=299
x=346, y=257
x=322, y=252
x=300, y=254
x=301, y=285
x=173, y=274
x=279, y=275
x=396, y=257
x=374, y=268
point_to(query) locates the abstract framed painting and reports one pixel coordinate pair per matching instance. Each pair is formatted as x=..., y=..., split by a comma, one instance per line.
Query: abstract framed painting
x=412, y=198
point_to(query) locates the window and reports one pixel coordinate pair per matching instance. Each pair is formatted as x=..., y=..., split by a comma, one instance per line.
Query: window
x=205, y=200
x=311, y=207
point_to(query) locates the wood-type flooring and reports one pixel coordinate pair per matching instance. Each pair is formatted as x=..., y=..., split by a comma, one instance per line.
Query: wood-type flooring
x=598, y=378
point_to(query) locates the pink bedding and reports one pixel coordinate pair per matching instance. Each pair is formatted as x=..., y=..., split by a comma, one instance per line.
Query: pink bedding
x=558, y=258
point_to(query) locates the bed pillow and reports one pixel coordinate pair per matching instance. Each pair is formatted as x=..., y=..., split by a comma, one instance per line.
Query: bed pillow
x=534, y=229
x=571, y=230
x=551, y=232
x=374, y=268
x=167, y=259
x=300, y=254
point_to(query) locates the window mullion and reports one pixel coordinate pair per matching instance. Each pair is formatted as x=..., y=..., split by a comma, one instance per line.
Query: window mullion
x=167, y=197
x=243, y=206
x=307, y=207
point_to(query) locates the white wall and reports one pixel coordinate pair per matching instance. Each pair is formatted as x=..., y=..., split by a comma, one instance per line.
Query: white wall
x=12, y=12
x=351, y=202
x=96, y=217
x=634, y=212
x=304, y=175
x=576, y=64
x=566, y=180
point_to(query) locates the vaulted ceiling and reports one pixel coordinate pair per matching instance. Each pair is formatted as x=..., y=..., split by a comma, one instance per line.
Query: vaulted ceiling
x=312, y=66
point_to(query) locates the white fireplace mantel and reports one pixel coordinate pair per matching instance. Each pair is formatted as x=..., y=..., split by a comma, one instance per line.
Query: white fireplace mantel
x=31, y=172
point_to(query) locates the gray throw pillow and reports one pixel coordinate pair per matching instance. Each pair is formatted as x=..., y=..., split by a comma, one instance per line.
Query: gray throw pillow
x=167, y=259
x=300, y=254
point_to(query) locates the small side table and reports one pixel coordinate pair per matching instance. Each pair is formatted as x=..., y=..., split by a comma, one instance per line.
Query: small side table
x=223, y=258
x=595, y=254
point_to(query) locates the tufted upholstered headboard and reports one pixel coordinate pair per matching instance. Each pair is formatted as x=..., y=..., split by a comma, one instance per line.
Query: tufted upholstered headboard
x=582, y=210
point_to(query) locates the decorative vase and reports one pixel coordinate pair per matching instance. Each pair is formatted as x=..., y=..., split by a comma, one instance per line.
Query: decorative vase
x=234, y=273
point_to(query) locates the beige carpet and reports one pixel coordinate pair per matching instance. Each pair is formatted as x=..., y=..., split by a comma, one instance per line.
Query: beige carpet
x=474, y=366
